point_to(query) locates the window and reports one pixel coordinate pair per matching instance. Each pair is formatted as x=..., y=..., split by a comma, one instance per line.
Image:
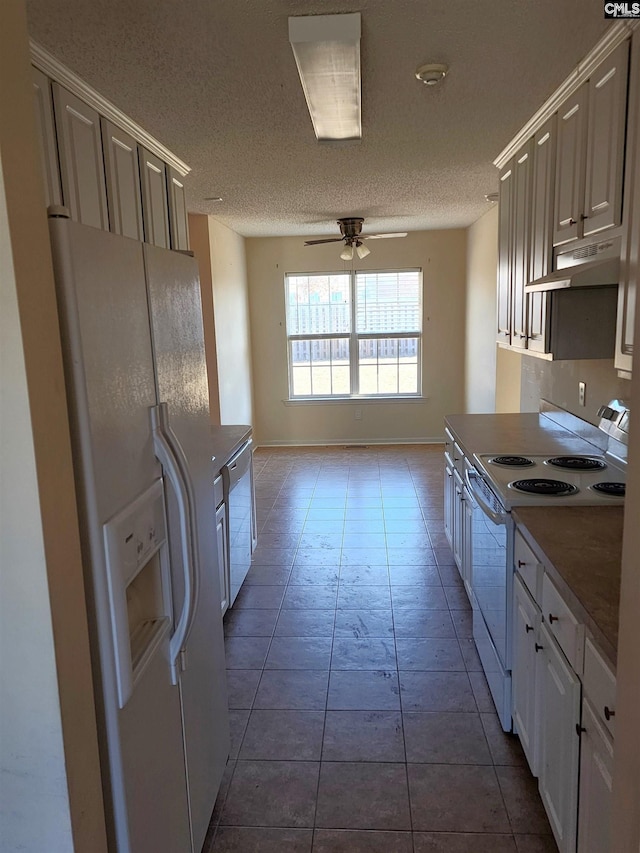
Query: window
x=355, y=334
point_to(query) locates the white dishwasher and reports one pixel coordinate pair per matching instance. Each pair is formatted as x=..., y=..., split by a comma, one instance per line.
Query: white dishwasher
x=237, y=477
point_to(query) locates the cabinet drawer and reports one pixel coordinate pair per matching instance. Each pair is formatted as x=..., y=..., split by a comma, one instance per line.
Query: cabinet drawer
x=599, y=685
x=527, y=566
x=562, y=624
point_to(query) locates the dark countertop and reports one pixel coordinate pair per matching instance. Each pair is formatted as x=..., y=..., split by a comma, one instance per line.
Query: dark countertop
x=514, y=433
x=226, y=441
x=582, y=549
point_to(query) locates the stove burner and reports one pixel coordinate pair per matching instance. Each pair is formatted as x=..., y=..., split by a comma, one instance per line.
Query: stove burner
x=540, y=486
x=512, y=461
x=577, y=463
x=614, y=490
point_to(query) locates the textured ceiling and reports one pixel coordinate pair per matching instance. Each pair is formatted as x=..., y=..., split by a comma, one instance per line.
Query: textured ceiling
x=216, y=82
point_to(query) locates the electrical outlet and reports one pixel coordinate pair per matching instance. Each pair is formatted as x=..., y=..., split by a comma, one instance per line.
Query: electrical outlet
x=582, y=390
x=358, y=414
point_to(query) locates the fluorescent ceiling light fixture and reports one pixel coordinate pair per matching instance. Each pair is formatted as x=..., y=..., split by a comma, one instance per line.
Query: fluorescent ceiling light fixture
x=327, y=53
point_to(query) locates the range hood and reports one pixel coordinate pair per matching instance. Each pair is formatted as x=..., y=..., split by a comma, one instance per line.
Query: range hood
x=594, y=265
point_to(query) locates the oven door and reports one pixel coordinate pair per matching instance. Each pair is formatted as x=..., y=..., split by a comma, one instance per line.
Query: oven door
x=492, y=587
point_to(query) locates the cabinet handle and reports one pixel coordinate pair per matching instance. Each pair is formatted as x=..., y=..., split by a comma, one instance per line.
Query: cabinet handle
x=608, y=713
x=583, y=216
x=521, y=563
x=580, y=729
x=528, y=628
x=572, y=222
x=553, y=619
x=522, y=336
x=538, y=647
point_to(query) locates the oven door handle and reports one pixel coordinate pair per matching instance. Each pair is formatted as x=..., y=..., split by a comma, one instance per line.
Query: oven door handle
x=497, y=517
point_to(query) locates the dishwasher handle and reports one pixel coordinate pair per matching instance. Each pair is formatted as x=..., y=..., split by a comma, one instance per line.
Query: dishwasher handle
x=237, y=466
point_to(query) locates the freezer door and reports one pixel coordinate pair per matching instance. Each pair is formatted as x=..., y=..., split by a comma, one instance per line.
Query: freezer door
x=102, y=304
x=181, y=378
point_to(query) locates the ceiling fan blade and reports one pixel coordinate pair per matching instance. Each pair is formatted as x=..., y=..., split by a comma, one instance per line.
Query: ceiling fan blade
x=328, y=240
x=383, y=236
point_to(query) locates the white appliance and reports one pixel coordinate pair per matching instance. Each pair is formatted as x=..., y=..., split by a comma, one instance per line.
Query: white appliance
x=237, y=477
x=131, y=327
x=500, y=482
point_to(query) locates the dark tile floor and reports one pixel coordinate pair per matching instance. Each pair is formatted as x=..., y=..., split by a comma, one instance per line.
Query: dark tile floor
x=360, y=717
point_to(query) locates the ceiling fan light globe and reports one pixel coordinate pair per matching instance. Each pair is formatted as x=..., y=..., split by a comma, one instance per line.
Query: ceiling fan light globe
x=362, y=251
x=347, y=253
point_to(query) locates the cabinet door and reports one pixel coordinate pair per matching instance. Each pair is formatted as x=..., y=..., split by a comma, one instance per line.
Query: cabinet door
x=155, y=211
x=178, y=220
x=84, y=189
x=630, y=260
x=605, y=142
x=449, y=493
x=544, y=170
x=521, y=243
x=596, y=770
x=505, y=241
x=524, y=689
x=123, y=181
x=458, y=502
x=467, y=533
x=223, y=556
x=47, y=137
x=559, y=741
x=570, y=167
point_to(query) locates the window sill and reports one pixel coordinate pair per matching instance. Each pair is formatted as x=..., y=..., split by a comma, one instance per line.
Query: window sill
x=357, y=401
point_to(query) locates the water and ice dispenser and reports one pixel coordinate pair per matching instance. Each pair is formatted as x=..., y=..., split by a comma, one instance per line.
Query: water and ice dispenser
x=139, y=585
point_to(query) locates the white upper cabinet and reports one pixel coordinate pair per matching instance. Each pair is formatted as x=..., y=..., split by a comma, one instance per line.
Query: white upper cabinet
x=630, y=261
x=81, y=162
x=541, y=255
x=570, y=166
x=123, y=181
x=178, y=220
x=521, y=243
x=591, y=148
x=505, y=241
x=605, y=142
x=155, y=211
x=47, y=137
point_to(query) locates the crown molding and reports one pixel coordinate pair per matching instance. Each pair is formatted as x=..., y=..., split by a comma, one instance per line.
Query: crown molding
x=56, y=70
x=615, y=35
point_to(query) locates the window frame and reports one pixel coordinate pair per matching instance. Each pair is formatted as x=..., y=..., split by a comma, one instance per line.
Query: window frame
x=354, y=338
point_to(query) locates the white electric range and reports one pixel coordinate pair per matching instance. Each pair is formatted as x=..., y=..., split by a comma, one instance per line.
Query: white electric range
x=499, y=482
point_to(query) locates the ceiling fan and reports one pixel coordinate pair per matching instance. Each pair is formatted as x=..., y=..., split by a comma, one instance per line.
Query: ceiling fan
x=350, y=229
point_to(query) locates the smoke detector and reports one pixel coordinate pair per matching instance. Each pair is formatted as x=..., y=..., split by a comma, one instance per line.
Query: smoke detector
x=431, y=73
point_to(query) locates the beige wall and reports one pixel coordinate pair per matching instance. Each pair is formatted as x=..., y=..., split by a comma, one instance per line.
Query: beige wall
x=231, y=318
x=508, y=380
x=50, y=796
x=199, y=242
x=442, y=257
x=480, y=352
x=557, y=381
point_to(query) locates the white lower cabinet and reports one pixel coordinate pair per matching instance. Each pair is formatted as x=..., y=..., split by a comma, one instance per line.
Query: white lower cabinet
x=222, y=536
x=448, y=498
x=560, y=690
x=525, y=696
x=458, y=528
x=596, y=769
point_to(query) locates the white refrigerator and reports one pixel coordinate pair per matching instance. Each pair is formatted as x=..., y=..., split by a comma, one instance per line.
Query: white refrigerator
x=131, y=326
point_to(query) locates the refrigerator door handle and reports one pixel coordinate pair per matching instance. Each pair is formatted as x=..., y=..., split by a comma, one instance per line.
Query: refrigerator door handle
x=183, y=465
x=166, y=456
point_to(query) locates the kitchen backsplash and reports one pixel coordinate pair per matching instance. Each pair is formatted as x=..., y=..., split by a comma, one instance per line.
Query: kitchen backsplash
x=557, y=381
